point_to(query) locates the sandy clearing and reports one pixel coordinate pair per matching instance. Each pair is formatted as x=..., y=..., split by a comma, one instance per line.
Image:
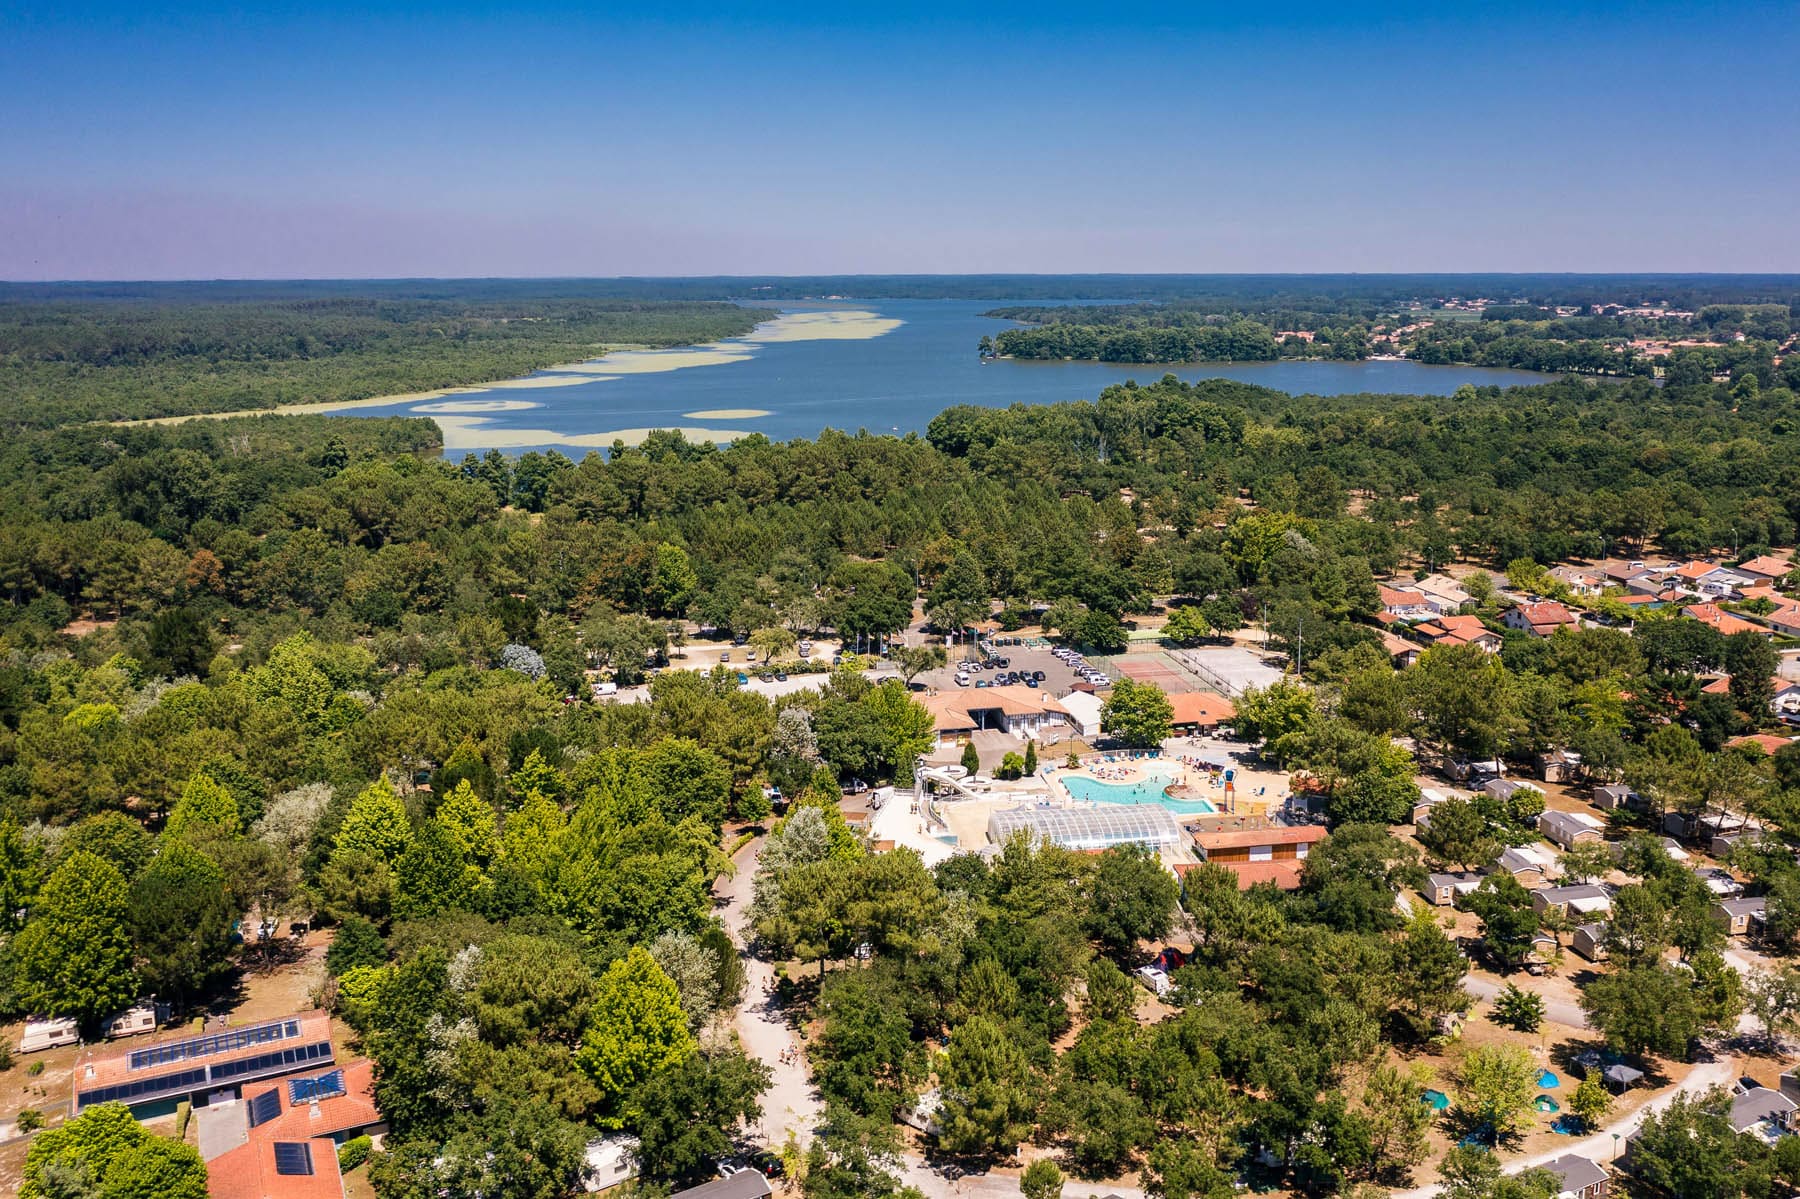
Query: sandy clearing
x=470, y=406
x=653, y=362
x=850, y=324
x=475, y=433
x=325, y=408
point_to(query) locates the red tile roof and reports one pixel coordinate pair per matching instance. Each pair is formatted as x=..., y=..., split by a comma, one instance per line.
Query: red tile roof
x=1400, y=599
x=1722, y=620
x=951, y=710
x=1201, y=708
x=110, y=1065
x=1237, y=838
x=1284, y=874
x=1768, y=565
x=355, y=1108
x=1769, y=742
x=1395, y=646
x=1546, y=614
x=1455, y=630
x=248, y=1172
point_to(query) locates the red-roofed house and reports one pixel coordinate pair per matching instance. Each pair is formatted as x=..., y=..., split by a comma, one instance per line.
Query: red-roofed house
x=1404, y=605
x=1459, y=630
x=1785, y=620
x=1200, y=710
x=1724, y=621
x=1260, y=854
x=1711, y=579
x=1020, y=711
x=160, y=1072
x=1580, y=580
x=280, y=1140
x=1768, y=567
x=1403, y=652
x=1541, y=619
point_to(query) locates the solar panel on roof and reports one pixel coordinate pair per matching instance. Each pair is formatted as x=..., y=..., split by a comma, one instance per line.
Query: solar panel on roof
x=265, y=1107
x=306, y=1090
x=224, y=1042
x=293, y=1157
x=244, y=1067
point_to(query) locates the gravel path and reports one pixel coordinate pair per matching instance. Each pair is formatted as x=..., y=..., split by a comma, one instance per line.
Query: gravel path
x=761, y=1023
x=791, y=1102
x=1558, y=1011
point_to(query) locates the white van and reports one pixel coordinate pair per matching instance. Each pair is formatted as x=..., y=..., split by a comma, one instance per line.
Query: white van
x=43, y=1033
x=133, y=1021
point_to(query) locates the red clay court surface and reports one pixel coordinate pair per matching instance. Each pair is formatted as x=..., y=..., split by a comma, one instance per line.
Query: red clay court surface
x=1153, y=670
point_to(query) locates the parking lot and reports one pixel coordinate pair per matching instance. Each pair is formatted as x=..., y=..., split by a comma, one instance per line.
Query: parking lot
x=1058, y=678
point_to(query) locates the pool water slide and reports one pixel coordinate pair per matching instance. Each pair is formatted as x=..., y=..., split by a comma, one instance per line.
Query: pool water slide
x=946, y=778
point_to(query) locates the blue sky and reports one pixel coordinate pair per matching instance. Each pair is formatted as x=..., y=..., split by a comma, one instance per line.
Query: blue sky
x=538, y=139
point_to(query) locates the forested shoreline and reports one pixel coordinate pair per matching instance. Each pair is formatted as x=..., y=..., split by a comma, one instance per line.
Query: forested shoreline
x=130, y=353
x=1558, y=328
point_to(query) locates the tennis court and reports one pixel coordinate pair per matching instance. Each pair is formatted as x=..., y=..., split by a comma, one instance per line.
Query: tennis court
x=1152, y=668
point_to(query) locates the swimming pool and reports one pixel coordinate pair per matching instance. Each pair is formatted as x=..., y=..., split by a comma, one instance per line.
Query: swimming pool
x=1152, y=789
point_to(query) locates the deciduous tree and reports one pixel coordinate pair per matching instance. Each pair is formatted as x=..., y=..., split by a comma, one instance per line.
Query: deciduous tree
x=1137, y=714
x=638, y=1030
x=74, y=954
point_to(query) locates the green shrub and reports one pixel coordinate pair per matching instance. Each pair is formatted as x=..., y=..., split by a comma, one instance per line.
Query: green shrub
x=30, y=1119
x=184, y=1111
x=353, y=1153
x=35, y=1069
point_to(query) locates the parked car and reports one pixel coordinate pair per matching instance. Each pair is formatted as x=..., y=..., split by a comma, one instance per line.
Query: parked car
x=781, y=676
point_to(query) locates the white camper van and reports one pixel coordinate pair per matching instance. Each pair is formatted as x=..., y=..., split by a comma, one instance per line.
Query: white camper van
x=132, y=1021
x=42, y=1033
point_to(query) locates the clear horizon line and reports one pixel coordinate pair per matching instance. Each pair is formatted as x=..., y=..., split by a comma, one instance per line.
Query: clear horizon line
x=911, y=275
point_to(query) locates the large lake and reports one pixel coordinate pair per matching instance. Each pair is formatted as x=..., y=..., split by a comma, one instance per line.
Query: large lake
x=795, y=381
